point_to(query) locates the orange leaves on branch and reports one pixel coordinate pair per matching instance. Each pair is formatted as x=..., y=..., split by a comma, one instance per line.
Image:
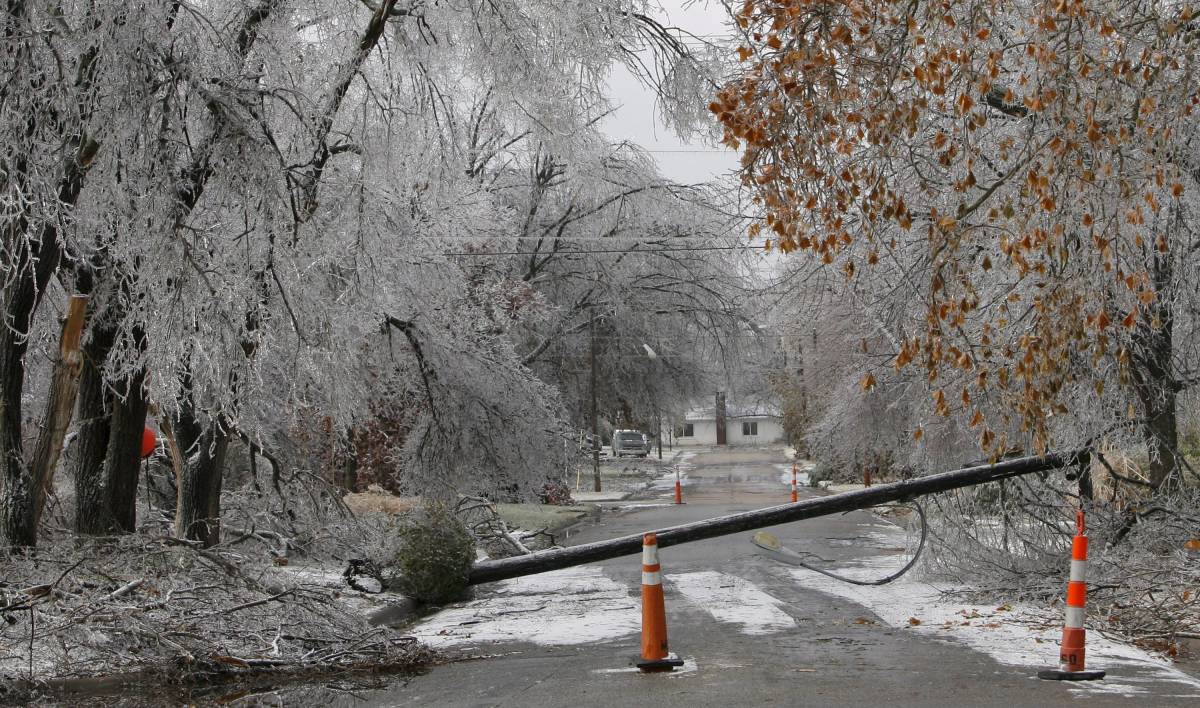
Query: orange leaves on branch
x=862, y=115
x=939, y=403
x=964, y=103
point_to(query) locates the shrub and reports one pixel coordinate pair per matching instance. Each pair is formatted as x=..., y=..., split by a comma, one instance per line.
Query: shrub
x=819, y=473
x=432, y=555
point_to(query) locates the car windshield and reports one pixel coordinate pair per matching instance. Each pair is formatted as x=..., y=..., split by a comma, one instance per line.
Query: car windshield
x=631, y=436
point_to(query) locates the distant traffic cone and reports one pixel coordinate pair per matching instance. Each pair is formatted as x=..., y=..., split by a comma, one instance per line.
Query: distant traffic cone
x=1071, y=653
x=655, y=656
x=678, y=488
x=795, y=492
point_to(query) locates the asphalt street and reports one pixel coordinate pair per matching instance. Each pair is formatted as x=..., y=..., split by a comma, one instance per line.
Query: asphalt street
x=817, y=648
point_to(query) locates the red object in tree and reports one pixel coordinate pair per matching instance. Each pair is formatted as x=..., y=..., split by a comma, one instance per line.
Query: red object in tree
x=149, y=442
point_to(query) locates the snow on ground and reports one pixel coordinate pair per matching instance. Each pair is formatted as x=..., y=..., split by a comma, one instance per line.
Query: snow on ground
x=643, y=505
x=1012, y=635
x=731, y=599
x=667, y=481
x=785, y=474
x=571, y=606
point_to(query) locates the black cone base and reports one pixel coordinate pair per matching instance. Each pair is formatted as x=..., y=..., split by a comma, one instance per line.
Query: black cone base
x=1057, y=675
x=666, y=664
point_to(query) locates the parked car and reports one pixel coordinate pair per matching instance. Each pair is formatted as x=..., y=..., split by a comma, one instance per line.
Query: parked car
x=630, y=442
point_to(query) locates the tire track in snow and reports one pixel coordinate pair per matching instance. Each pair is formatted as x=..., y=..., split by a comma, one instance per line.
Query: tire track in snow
x=733, y=600
x=571, y=606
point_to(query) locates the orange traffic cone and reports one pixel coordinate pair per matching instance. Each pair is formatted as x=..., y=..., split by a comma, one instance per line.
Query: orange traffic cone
x=795, y=492
x=655, y=656
x=678, y=488
x=1071, y=654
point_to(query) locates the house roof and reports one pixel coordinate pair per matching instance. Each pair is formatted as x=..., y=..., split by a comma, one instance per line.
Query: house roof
x=744, y=409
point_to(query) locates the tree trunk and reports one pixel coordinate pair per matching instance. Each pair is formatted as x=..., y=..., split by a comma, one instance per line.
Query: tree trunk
x=349, y=464
x=198, y=507
x=124, y=457
x=1161, y=431
x=35, y=259
x=91, y=495
x=198, y=492
x=33, y=269
x=1153, y=379
x=15, y=526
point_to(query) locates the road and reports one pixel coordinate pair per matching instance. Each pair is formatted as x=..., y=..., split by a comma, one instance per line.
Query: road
x=753, y=631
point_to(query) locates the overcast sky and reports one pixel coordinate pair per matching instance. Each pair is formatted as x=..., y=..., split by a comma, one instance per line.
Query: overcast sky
x=636, y=118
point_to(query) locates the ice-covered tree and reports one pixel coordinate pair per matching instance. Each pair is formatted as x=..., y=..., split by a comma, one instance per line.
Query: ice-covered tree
x=1024, y=170
x=257, y=196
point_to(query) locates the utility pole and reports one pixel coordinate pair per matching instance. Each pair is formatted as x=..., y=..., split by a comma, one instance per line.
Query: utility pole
x=658, y=415
x=595, y=431
x=489, y=571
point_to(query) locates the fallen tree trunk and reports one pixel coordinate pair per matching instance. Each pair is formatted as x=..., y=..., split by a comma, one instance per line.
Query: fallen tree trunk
x=556, y=558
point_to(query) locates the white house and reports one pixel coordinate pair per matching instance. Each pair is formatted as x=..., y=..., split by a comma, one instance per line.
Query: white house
x=744, y=425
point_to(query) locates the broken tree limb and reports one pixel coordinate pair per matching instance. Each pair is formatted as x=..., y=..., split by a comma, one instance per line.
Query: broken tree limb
x=60, y=406
x=557, y=558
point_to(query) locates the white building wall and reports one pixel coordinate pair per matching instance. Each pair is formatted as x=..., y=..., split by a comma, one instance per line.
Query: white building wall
x=704, y=433
x=770, y=431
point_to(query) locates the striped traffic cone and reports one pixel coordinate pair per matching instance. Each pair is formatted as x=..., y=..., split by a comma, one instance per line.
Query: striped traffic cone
x=678, y=488
x=1071, y=653
x=795, y=492
x=655, y=656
